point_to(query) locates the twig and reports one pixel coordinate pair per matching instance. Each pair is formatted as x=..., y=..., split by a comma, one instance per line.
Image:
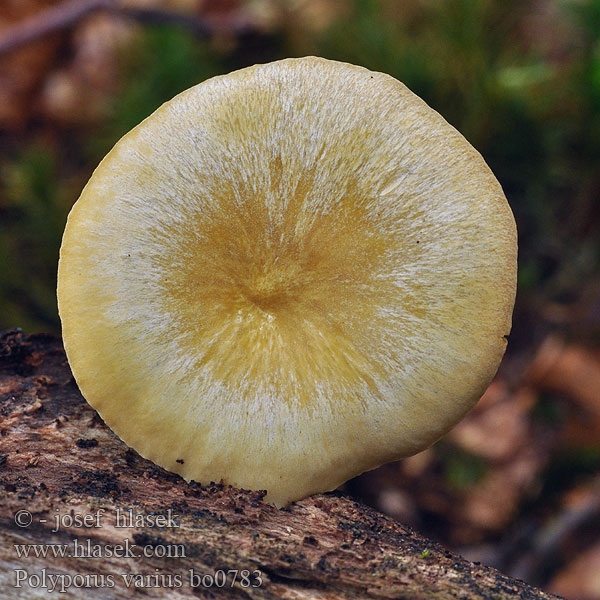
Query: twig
x=153, y=15
x=545, y=551
x=70, y=12
x=49, y=21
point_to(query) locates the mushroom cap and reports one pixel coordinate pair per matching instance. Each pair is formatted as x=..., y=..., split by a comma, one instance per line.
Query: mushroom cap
x=286, y=276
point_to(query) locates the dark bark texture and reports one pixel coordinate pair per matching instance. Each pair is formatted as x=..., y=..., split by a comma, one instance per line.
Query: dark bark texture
x=69, y=475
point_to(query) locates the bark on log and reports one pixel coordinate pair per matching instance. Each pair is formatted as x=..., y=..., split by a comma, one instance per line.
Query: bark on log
x=59, y=463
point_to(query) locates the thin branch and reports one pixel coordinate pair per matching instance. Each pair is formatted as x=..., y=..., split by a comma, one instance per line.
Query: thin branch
x=70, y=12
x=51, y=20
x=545, y=549
x=156, y=16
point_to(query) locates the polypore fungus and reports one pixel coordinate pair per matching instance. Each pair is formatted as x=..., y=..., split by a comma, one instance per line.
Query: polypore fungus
x=286, y=276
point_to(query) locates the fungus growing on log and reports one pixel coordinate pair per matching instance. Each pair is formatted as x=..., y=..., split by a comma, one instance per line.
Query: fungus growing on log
x=286, y=276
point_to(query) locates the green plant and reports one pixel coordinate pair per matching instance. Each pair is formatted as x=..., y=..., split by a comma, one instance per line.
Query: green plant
x=34, y=202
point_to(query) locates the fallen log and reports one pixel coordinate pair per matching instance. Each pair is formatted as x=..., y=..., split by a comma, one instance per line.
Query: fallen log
x=84, y=516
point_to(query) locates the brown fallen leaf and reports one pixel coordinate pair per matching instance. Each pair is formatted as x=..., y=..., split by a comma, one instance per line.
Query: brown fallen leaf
x=570, y=370
x=493, y=502
x=498, y=425
x=580, y=580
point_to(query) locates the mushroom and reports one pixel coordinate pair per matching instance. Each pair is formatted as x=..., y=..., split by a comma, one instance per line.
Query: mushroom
x=286, y=276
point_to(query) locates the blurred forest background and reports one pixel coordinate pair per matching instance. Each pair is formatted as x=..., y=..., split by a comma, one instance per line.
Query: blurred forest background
x=517, y=484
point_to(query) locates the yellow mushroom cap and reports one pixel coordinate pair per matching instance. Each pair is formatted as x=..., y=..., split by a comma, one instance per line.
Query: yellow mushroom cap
x=286, y=276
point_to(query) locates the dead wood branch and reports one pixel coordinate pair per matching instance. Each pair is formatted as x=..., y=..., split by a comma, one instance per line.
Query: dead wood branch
x=60, y=465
